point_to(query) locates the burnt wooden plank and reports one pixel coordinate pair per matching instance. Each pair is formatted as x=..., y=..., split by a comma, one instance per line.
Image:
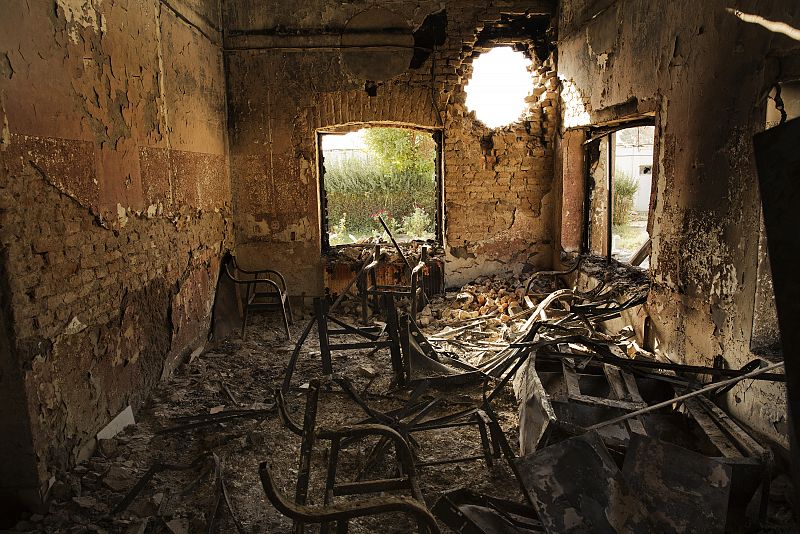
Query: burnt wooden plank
x=633, y=389
x=620, y=388
x=733, y=430
x=611, y=403
x=571, y=380
x=615, y=381
x=714, y=433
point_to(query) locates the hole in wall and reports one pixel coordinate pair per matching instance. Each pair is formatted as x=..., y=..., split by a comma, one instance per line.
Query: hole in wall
x=500, y=81
x=431, y=33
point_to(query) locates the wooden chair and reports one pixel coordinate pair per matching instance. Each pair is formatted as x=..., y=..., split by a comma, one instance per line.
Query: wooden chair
x=265, y=290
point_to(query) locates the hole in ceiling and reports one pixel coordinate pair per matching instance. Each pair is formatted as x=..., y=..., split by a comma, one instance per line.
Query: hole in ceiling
x=431, y=33
x=498, y=87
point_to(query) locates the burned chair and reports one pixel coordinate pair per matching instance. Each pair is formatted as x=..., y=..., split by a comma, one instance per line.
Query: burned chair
x=386, y=297
x=265, y=289
x=343, y=514
x=329, y=512
x=415, y=291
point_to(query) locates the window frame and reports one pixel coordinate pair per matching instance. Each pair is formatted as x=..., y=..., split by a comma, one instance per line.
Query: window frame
x=438, y=138
x=603, y=134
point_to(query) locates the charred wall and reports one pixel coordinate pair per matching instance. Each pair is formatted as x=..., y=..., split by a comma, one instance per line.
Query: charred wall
x=294, y=71
x=706, y=74
x=115, y=212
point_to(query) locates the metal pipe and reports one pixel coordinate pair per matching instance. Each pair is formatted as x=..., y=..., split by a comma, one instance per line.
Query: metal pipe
x=670, y=402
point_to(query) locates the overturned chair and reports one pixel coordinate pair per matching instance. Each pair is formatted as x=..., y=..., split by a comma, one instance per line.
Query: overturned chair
x=265, y=289
x=329, y=512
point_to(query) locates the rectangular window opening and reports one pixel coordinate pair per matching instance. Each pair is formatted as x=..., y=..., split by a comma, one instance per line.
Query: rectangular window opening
x=620, y=207
x=381, y=171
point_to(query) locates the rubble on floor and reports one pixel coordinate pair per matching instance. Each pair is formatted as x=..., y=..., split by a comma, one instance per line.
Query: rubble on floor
x=241, y=375
x=590, y=458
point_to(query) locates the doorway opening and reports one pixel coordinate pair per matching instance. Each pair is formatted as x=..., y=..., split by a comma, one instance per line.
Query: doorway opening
x=621, y=180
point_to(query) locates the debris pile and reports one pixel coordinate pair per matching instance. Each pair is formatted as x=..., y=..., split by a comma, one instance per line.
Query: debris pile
x=419, y=408
x=483, y=317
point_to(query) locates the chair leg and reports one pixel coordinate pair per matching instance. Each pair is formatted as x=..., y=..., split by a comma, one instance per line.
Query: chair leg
x=289, y=310
x=244, y=320
x=487, y=450
x=330, y=482
x=306, y=451
x=284, y=303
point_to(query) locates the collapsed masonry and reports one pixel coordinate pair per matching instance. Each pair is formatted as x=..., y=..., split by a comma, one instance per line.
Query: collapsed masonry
x=141, y=143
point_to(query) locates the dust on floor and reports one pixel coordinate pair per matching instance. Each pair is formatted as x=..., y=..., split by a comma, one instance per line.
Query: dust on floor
x=237, y=374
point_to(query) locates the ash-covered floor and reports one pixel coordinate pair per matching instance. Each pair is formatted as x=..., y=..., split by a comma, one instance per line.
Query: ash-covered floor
x=241, y=375
x=190, y=463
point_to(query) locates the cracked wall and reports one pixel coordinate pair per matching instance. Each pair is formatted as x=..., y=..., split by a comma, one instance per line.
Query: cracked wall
x=289, y=77
x=115, y=213
x=706, y=73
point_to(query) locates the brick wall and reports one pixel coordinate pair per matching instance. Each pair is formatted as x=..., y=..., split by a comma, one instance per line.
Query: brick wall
x=114, y=213
x=282, y=89
x=497, y=200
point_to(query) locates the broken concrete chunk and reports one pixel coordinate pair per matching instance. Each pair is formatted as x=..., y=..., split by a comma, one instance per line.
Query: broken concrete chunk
x=118, y=479
x=125, y=418
x=367, y=371
x=137, y=527
x=63, y=491
x=75, y=326
x=178, y=526
x=90, y=503
x=256, y=438
x=108, y=447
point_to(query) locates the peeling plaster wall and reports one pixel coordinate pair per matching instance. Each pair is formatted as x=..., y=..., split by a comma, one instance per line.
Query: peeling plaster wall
x=704, y=71
x=288, y=78
x=114, y=213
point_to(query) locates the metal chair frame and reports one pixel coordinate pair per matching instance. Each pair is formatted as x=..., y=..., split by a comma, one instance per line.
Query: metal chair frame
x=262, y=293
x=406, y=479
x=342, y=514
x=368, y=284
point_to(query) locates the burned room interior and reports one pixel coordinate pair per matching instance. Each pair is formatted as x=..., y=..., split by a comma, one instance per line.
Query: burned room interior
x=508, y=266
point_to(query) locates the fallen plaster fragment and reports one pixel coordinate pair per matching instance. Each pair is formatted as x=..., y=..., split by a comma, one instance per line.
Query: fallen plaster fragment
x=196, y=352
x=124, y=419
x=122, y=215
x=74, y=326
